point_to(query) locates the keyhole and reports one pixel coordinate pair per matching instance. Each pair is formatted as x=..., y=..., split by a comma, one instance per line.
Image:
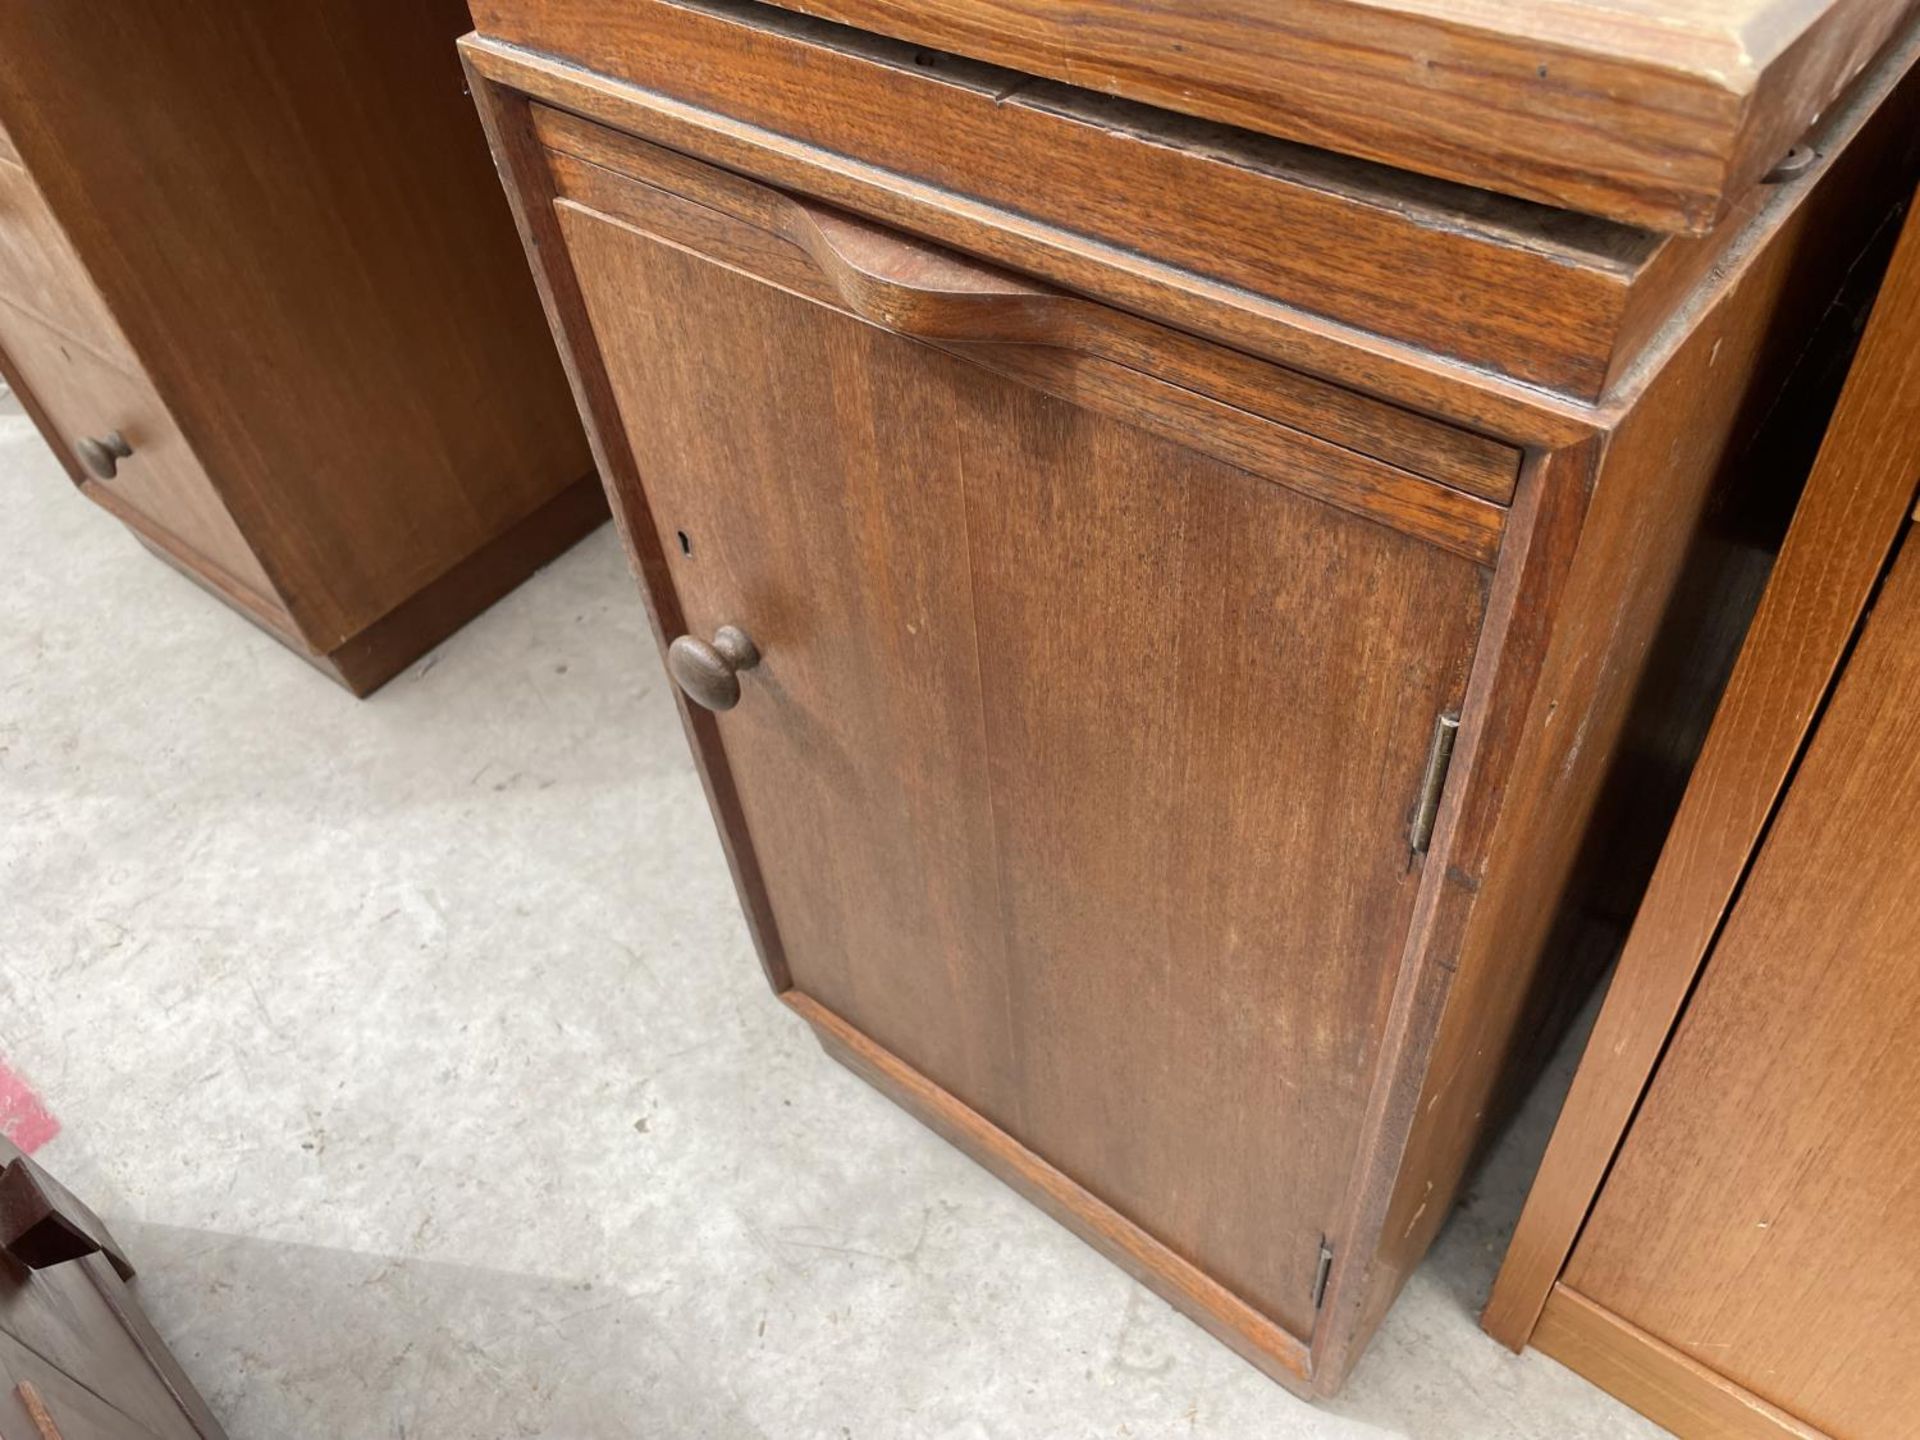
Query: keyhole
x=686, y=545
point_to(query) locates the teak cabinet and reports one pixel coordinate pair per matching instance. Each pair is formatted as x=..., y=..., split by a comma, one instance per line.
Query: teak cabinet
x=1159, y=718
x=260, y=294
x=1725, y=1230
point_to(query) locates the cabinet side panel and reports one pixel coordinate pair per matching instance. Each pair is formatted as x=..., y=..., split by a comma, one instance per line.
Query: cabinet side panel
x=1856, y=502
x=1762, y=1216
x=290, y=211
x=1499, y=959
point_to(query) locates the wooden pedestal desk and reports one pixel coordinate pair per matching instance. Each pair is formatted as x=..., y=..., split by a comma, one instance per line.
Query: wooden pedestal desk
x=1183, y=630
x=1725, y=1230
x=260, y=294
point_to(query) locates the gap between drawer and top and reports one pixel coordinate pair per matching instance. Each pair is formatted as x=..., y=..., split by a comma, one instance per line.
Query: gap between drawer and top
x=1471, y=477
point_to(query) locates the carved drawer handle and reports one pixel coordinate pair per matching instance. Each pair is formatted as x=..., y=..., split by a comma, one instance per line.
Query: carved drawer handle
x=710, y=674
x=926, y=291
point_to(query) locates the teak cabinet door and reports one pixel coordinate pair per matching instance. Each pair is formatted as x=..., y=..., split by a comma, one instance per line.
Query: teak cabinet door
x=1077, y=765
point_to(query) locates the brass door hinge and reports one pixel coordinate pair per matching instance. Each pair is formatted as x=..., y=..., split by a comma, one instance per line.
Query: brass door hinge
x=1320, y=1274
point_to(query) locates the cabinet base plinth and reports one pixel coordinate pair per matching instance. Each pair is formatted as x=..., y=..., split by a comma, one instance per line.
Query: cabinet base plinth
x=1273, y=1351
x=364, y=662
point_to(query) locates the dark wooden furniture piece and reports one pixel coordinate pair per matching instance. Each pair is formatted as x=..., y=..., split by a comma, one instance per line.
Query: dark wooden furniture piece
x=79, y=1360
x=1724, y=1231
x=259, y=291
x=1190, y=592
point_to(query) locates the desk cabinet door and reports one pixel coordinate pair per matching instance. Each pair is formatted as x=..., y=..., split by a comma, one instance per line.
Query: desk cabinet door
x=1077, y=764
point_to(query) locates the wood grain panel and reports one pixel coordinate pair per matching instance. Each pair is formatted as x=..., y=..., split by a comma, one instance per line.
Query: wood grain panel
x=79, y=1320
x=1608, y=539
x=1788, y=1260
x=1854, y=505
x=1651, y=113
x=526, y=174
x=63, y=1318
x=810, y=117
x=1012, y=649
x=36, y=1399
x=367, y=660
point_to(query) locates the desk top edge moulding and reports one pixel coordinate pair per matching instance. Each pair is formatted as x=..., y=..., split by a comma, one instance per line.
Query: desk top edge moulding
x=1192, y=641
x=1317, y=250
x=1649, y=112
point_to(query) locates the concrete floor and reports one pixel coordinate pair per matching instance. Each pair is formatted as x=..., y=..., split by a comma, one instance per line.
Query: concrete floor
x=415, y=1048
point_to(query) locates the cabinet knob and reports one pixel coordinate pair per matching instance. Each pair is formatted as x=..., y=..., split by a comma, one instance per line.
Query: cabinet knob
x=102, y=457
x=710, y=674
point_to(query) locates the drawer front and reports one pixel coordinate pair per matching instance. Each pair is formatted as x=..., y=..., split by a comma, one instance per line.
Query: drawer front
x=1078, y=764
x=62, y=1408
x=61, y=1316
x=40, y=272
x=160, y=484
x=843, y=262
x=1506, y=287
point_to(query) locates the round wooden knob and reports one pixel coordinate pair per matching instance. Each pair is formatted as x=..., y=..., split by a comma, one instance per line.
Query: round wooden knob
x=102, y=457
x=710, y=674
